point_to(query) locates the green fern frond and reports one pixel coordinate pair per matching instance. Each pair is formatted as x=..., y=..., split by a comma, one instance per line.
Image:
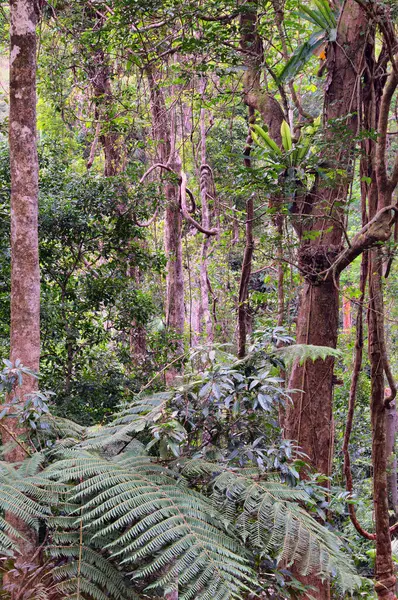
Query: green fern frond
x=21, y=497
x=81, y=570
x=143, y=409
x=155, y=526
x=303, y=352
x=271, y=519
x=64, y=429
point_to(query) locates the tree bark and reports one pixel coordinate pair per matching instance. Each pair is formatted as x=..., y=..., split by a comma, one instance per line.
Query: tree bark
x=175, y=308
x=317, y=322
x=347, y=317
x=256, y=99
x=309, y=418
x=206, y=181
x=385, y=572
x=25, y=273
x=391, y=427
x=103, y=101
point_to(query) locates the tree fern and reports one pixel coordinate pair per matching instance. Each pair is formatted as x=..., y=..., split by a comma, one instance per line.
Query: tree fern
x=82, y=572
x=155, y=527
x=142, y=409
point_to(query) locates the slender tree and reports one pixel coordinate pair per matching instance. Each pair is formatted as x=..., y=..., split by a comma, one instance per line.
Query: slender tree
x=206, y=190
x=257, y=99
x=168, y=156
x=385, y=572
x=25, y=274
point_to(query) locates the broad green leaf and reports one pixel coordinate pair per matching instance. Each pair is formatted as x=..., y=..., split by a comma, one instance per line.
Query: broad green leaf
x=286, y=136
x=301, y=56
x=266, y=138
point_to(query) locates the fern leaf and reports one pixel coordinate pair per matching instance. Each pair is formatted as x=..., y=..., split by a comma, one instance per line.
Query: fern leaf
x=274, y=523
x=150, y=523
x=303, y=352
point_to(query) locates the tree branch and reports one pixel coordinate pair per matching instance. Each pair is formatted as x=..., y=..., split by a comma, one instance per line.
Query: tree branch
x=377, y=230
x=185, y=212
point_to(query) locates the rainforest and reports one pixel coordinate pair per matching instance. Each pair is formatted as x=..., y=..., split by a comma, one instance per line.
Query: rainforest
x=198, y=299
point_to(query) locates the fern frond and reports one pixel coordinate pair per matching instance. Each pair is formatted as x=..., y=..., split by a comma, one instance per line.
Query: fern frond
x=81, y=570
x=21, y=497
x=142, y=410
x=271, y=519
x=303, y=352
x=154, y=525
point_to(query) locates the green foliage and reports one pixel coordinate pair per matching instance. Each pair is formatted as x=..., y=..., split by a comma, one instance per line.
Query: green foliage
x=22, y=499
x=321, y=16
x=135, y=515
x=270, y=518
x=115, y=514
x=171, y=532
x=303, y=352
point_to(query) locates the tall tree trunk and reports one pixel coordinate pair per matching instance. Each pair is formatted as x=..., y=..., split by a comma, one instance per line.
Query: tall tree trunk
x=206, y=184
x=100, y=76
x=385, y=571
x=256, y=99
x=309, y=418
x=25, y=274
x=391, y=428
x=163, y=134
x=110, y=141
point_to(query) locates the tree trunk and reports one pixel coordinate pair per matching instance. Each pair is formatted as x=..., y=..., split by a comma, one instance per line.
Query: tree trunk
x=391, y=426
x=103, y=101
x=385, y=572
x=25, y=274
x=347, y=317
x=309, y=418
x=256, y=99
x=206, y=181
x=175, y=308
